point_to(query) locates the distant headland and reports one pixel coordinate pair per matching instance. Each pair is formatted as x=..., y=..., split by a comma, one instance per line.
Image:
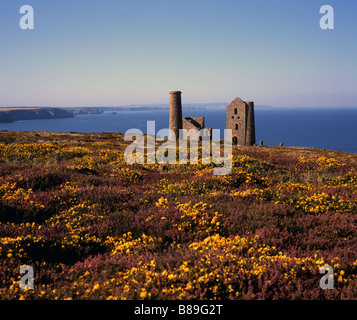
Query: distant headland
x=12, y=114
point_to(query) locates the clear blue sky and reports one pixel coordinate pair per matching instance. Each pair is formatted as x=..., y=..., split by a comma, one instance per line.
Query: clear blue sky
x=114, y=52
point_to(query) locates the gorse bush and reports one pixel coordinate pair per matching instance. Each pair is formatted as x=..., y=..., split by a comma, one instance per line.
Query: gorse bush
x=93, y=227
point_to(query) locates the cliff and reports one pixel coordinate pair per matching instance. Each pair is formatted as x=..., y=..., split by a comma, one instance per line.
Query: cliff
x=15, y=114
x=83, y=110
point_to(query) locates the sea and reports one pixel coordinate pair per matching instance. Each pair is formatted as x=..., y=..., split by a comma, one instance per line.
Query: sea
x=332, y=129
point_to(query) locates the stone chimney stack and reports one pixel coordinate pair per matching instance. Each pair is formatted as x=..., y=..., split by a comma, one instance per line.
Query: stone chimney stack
x=175, y=123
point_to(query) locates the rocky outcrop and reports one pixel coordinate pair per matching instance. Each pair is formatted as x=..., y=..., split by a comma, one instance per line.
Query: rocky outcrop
x=16, y=114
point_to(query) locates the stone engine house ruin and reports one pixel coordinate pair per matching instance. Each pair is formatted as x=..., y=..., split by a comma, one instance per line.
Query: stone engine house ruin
x=240, y=119
x=178, y=122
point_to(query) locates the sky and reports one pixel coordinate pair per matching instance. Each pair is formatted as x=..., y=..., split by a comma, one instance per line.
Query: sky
x=114, y=52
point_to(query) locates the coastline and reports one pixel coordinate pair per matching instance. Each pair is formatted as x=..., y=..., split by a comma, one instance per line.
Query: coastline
x=8, y=115
x=12, y=114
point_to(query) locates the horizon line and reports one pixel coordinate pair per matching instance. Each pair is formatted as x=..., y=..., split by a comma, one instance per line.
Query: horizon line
x=183, y=104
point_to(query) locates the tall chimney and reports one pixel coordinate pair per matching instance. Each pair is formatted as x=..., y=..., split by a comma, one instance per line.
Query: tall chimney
x=175, y=123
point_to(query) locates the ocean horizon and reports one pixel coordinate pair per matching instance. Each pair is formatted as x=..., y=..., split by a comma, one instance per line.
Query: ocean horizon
x=324, y=128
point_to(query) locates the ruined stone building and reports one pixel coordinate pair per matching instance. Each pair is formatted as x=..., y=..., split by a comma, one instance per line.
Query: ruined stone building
x=240, y=118
x=178, y=122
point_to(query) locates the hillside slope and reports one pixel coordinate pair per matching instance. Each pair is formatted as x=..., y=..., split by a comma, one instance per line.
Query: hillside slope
x=93, y=227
